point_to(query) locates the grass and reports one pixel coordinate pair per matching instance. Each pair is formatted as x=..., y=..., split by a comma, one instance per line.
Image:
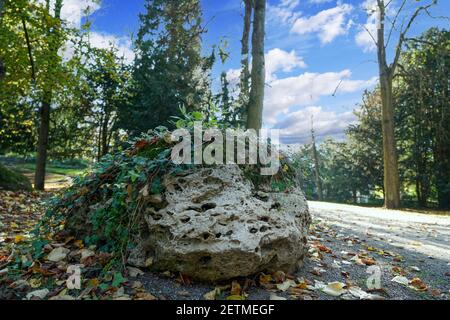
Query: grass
x=52, y=169
x=58, y=174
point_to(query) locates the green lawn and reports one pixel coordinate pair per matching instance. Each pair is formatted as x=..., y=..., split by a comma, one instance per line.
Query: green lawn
x=52, y=169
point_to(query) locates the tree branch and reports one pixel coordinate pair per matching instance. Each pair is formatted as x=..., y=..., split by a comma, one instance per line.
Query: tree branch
x=30, y=52
x=403, y=35
x=394, y=22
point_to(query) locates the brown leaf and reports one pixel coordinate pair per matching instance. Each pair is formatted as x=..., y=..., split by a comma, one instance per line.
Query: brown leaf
x=368, y=261
x=418, y=284
x=141, y=144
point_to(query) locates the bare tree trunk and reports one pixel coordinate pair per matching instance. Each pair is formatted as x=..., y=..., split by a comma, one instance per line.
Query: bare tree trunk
x=258, y=74
x=245, y=61
x=44, y=129
x=391, y=177
x=316, y=166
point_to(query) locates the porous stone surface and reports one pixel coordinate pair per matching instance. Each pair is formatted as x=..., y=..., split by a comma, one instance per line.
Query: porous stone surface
x=212, y=224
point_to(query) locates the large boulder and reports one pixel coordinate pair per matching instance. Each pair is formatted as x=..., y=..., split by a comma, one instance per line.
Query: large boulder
x=213, y=224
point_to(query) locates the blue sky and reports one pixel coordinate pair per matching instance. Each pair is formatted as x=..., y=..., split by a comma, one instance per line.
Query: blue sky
x=312, y=48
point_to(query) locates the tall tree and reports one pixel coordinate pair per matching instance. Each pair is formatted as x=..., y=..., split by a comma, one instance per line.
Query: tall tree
x=316, y=162
x=244, y=86
x=54, y=42
x=423, y=97
x=2, y=66
x=169, y=70
x=258, y=73
x=386, y=75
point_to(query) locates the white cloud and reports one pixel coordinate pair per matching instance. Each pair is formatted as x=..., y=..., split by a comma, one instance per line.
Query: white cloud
x=329, y=23
x=320, y=1
x=297, y=127
x=74, y=10
x=306, y=89
x=105, y=41
x=233, y=76
x=276, y=60
x=367, y=34
x=283, y=12
x=280, y=60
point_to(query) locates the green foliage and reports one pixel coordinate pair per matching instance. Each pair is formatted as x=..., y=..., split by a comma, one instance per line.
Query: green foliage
x=169, y=71
x=424, y=113
x=422, y=121
x=12, y=180
x=114, y=186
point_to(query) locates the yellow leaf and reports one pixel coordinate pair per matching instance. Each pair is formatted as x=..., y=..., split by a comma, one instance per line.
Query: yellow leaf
x=265, y=278
x=235, y=289
x=35, y=283
x=18, y=239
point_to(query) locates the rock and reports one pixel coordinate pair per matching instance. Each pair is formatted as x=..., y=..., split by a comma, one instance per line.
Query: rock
x=216, y=226
x=58, y=254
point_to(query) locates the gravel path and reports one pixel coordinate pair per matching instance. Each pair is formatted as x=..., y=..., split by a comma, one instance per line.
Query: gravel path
x=404, y=244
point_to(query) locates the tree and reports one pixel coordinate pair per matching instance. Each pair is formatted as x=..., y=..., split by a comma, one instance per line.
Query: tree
x=386, y=75
x=2, y=66
x=423, y=97
x=258, y=73
x=244, y=85
x=364, y=138
x=35, y=33
x=169, y=71
x=316, y=162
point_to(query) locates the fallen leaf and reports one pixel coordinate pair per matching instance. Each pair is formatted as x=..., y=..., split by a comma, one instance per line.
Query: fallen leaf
x=235, y=297
x=212, y=295
x=334, y=289
x=134, y=272
x=41, y=294
x=35, y=283
x=368, y=261
x=273, y=296
x=286, y=285
x=148, y=262
x=19, y=239
x=58, y=254
x=235, y=289
x=400, y=279
x=145, y=296
x=418, y=284
x=279, y=276
x=86, y=253
x=265, y=278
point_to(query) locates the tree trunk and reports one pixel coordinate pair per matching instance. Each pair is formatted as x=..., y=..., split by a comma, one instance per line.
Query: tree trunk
x=105, y=134
x=258, y=74
x=2, y=69
x=391, y=178
x=317, y=168
x=245, y=62
x=44, y=129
